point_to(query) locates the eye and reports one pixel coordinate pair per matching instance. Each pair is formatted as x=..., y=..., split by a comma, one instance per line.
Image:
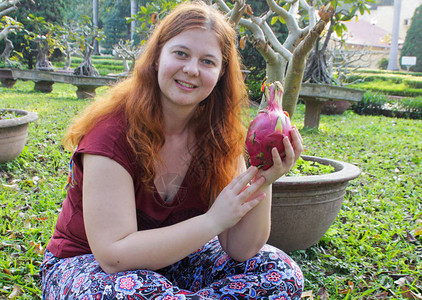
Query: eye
x=180, y=53
x=208, y=62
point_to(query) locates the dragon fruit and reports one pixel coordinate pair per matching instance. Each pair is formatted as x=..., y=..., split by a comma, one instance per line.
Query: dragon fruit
x=268, y=129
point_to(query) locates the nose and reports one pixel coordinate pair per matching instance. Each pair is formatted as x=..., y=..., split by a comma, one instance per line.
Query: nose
x=191, y=67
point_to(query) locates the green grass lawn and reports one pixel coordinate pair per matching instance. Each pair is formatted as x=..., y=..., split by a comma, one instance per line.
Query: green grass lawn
x=372, y=251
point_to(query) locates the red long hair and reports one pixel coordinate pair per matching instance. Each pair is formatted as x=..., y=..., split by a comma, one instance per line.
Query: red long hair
x=217, y=121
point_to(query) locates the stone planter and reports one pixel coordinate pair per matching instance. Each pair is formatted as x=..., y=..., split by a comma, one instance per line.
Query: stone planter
x=44, y=86
x=304, y=207
x=44, y=81
x=13, y=133
x=6, y=78
x=315, y=94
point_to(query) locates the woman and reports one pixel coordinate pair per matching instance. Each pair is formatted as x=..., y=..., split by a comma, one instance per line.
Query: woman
x=160, y=204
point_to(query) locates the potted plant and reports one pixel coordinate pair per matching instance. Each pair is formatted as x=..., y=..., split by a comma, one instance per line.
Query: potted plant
x=327, y=68
x=66, y=41
x=88, y=34
x=8, y=25
x=304, y=207
x=14, y=124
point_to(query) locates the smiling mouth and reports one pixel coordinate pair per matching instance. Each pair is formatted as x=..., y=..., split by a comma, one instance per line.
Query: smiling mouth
x=186, y=84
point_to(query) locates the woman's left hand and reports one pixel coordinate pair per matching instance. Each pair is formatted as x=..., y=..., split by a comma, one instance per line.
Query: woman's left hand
x=282, y=166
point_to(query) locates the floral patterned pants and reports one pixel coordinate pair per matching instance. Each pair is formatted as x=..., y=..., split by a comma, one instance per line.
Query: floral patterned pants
x=209, y=273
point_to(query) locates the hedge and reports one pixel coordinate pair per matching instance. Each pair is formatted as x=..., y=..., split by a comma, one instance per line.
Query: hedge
x=379, y=104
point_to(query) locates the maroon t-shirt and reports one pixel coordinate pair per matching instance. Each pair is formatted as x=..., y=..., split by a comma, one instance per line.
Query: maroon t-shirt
x=108, y=138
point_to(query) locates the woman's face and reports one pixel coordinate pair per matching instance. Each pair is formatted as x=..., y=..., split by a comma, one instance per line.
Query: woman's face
x=188, y=68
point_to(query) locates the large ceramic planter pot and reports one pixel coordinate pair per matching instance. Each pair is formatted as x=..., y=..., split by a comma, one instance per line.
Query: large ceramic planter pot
x=13, y=133
x=304, y=207
x=334, y=107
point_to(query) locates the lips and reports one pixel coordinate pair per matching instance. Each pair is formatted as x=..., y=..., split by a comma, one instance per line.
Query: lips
x=185, y=84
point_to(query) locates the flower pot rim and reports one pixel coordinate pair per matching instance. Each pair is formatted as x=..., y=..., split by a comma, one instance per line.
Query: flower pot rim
x=343, y=172
x=27, y=117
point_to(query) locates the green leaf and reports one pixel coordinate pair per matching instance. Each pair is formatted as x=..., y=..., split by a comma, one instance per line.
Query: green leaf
x=282, y=21
x=338, y=30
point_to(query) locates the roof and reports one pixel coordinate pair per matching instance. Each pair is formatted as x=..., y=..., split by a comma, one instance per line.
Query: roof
x=363, y=33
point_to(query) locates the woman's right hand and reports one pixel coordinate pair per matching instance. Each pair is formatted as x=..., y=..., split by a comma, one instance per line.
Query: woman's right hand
x=236, y=200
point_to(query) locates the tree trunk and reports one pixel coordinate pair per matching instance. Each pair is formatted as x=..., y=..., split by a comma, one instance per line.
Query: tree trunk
x=68, y=62
x=133, y=10
x=95, y=23
x=316, y=70
x=394, y=48
x=43, y=64
x=7, y=51
x=86, y=68
x=275, y=72
x=296, y=67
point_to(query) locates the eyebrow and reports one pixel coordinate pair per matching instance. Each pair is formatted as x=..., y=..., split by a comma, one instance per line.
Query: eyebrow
x=187, y=48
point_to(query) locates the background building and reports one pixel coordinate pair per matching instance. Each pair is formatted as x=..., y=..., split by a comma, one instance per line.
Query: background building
x=372, y=32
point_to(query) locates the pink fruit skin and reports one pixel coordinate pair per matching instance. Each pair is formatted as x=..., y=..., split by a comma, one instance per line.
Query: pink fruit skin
x=268, y=129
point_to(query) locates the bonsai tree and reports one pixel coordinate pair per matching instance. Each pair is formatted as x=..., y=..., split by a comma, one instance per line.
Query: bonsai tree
x=44, y=41
x=127, y=51
x=341, y=63
x=66, y=37
x=87, y=34
x=317, y=70
x=285, y=60
x=8, y=25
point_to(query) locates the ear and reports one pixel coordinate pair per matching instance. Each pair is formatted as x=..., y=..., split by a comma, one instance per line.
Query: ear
x=156, y=65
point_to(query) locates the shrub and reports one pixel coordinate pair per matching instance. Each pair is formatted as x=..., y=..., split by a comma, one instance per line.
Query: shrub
x=388, y=72
x=383, y=63
x=389, y=88
x=379, y=104
x=254, y=83
x=413, y=83
x=413, y=42
x=370, y=104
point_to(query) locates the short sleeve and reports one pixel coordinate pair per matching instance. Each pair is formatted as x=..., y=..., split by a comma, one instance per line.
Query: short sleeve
x=108, y=138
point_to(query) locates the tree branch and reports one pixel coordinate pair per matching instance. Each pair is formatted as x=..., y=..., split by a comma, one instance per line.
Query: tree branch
x=290, y=20
x=223, y=6
x=7, y=3
x=272, y=39
x=7, y=11
x=259, y=41
x=7, y=30
x=296, y=68
x=237, y=12
x=311, y=12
